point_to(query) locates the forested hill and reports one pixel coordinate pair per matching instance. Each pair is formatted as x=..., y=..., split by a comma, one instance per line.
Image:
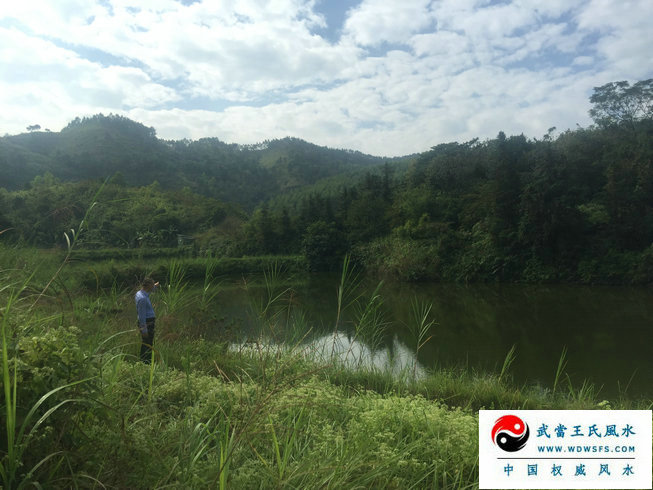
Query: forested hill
x=576, y=207
x=101, y=146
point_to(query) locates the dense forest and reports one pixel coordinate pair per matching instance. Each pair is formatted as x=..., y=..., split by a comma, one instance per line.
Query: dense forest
x=576, y=206
x=101, y=146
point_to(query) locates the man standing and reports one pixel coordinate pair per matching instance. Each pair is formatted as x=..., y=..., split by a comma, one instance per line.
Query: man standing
x=145, y=313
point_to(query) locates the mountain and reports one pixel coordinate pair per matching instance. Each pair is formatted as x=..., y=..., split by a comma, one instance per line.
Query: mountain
x=103, y=146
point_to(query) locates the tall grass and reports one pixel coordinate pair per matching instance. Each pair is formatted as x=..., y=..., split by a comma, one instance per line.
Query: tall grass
x=273, y=309
x=286, y=446
x=20, y=435
x=21, y=428
x=174, y=294
x=507, y=362
x=348, y=289
x=255, y=417
x=197, y=439
x=560, y=369
x=114, y=295
x=347, y=295
x=277, y=295
x=210, y=289
x=9, y=466
x=369, y=322
x=420, y=327
x=226, y=451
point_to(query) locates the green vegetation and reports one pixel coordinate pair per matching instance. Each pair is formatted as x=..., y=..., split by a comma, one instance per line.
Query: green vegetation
x=101, y=146
x=80, y=411
x=273, y=409
x=572, y=208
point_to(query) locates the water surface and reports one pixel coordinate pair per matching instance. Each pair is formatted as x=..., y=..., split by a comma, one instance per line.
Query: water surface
x=606, y=331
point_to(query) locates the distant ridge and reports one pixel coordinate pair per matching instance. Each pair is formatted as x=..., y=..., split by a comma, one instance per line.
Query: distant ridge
x=101, y=146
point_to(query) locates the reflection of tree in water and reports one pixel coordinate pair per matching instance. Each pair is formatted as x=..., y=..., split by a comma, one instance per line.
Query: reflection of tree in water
x=477, y=325
x=348, y=352
x=396, y=359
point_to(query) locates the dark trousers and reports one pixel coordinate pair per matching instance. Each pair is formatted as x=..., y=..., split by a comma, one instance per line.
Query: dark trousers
x=147, y=341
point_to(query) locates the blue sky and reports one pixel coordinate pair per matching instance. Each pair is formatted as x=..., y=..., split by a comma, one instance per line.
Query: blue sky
x=386, y=77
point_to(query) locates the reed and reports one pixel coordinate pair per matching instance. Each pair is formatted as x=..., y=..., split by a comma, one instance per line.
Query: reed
x=197, y=439
x=174, y=294
x=560, y=369
x=276, y=293
x=286, y=447
x=210, y=289
x=507, y=362
x=420, y=327
x=369, y=322
x=226, y=451
x=347, y=292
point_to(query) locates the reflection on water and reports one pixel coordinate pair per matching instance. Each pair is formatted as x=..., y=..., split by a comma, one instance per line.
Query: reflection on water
x=607, y=331
x=348, y=352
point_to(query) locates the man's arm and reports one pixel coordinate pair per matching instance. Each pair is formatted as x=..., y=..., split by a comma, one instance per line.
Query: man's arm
x=141, y=306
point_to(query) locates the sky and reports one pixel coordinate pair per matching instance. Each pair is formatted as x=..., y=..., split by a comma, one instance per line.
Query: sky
x=384, y=77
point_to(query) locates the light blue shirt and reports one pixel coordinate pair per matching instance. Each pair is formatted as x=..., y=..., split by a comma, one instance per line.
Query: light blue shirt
x=144, y=307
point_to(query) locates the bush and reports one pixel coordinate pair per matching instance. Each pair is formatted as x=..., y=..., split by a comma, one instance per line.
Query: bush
x=613, y=268
x=401, y=258
x=47, y=360
x=323, y=246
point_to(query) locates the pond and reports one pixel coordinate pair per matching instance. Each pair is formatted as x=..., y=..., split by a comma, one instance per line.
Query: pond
x=606, y=332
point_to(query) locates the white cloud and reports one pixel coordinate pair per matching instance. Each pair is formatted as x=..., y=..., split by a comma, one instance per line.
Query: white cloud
x=457, y=69
x=495, y=22
x=222, y=49
x=627, y=36
x=49, y=84
x=440, y=43
x=374, y=22
x=39, y=61
x=583, y=60
x=551, y=9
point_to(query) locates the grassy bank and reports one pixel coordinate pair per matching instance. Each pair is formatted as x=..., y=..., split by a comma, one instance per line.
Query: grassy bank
x=80, y=411
x=97, y=270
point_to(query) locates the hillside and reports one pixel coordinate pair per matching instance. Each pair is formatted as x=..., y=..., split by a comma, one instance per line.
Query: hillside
x=574, y=208
x=101, y=146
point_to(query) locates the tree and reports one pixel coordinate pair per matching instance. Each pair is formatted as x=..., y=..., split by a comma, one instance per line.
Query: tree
x=4, y=204
x=505, y=188
x=34, y=127
x=550, y=222
x=618, y=103
x=323, y=246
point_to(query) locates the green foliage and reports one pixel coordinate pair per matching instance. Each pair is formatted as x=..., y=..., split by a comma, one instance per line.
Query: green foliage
x=48, y=360
x=127, y=273
x=218, y=416
x=619, y=103
x=507, y=209
x=573, y=208
x=323, y=246
x=420, y=327
x=209, y=289
x=99, y=146
x=40, y=369
x=174, y=293
x=403, y=259
x=145, y=217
